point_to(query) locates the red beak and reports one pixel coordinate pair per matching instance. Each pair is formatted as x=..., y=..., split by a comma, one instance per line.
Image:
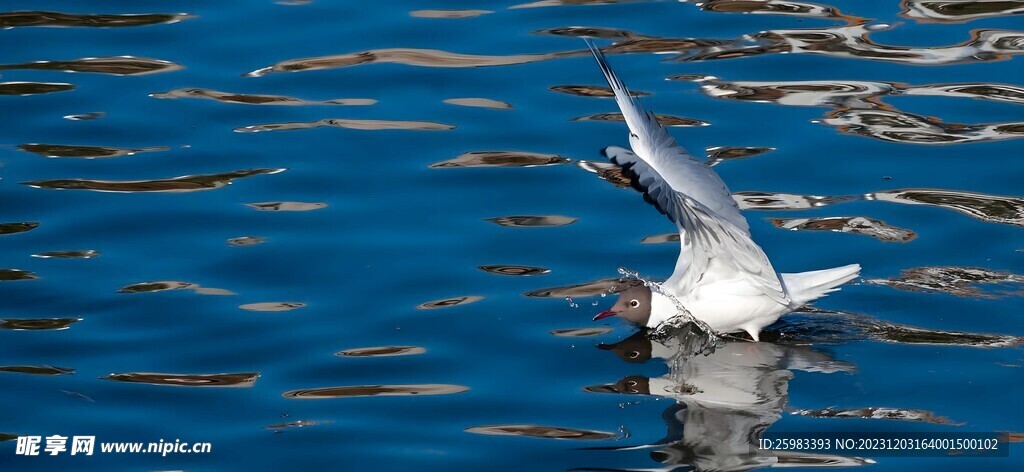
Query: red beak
x=605, y=314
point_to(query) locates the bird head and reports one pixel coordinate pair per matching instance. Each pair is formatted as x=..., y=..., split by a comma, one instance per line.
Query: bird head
x=633, y=305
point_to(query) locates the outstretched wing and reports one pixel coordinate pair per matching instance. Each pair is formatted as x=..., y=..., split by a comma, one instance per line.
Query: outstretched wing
x=715, y=237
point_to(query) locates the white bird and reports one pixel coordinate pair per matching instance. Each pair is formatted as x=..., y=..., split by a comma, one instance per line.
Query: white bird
x=722, y=277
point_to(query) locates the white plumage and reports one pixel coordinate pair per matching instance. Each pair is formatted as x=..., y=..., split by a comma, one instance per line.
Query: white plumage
x=722, y=277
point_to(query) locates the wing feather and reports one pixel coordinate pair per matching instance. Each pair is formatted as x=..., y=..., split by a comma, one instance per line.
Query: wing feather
x=713, y=232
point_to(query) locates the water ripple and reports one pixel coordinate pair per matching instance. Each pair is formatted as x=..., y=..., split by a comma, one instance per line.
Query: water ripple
x=382, y=351
x=538, y=431
x=448, y=14
x=877, y=229
x=33, y=88
x=533, y=221
x=115, y=65
x=16, y=274
x=243, y=379
x=369, y=125
x=273, y=306
x=877, y=413
x=449, y=302
x=967, y=282
x=959, y=11
x=256, y=99
x=187, y=183
x=85, y=152
x=37, y=369
x=516, y=270
x=19, y=19
x=479, y=103
x=376, y=391
x=15, y=228
x=37, y=324
x=665, y=120
x=407, y=56
x=83, y=254
x=859, y=111
x=162, y=286
x=501, y=159
x=592, y=91
x=286, y=206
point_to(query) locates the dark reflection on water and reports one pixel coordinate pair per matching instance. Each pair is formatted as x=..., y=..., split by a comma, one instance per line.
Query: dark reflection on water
x=36, y=369
x=501, y=159
x=815, y=326
x=33, y=88
x=859, y=111
x=16, y=274
x=255, y=99
x=718, y=154
x=665, y=120
x=278, y=427
x=479, y=103
x=989, y=208
x=366, y=125
x=286, y=206
x=244, y=379
x=591, y=91
x=972, y=282
x=514, y=270
x=17, y=19
x=15, y=228
x=119, y=65
x=534, y=220
x=375, y=391
x=537, y=431
x=959, y=11
x=272, y=306
x=661, y=238
x=84, y=152
x=408, y=56
x=188, y=183
x=383, y=351
x=162, y=286
x=854, y=225
x=449, y=14
x=591, y=32
x=95, y=115
x=246, y=241
x=449, y=302
x=83, y=254
x=37, y=324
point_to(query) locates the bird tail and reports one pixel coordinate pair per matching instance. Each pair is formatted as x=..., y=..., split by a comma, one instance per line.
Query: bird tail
x=809, y=286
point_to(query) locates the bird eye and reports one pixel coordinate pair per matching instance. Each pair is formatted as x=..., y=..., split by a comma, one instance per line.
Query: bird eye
x=634, y=303
x=634, y=355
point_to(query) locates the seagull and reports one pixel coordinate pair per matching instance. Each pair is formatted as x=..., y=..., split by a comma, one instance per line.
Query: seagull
x=722, y=277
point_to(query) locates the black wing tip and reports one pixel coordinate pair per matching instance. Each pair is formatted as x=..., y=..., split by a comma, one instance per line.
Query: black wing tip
x=634, y=181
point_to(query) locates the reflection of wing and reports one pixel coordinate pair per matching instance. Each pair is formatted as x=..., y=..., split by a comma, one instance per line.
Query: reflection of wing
x=715, y=237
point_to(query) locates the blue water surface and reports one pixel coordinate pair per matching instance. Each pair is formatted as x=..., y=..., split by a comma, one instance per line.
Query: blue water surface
x=934, y=164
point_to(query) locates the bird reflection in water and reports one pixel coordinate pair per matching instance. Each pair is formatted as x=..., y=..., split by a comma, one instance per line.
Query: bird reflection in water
x=726, y=397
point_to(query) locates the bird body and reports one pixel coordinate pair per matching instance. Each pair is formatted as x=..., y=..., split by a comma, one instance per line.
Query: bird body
x=722, y=277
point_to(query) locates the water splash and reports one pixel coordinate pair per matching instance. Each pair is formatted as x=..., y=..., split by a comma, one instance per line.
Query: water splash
x=684, y=318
